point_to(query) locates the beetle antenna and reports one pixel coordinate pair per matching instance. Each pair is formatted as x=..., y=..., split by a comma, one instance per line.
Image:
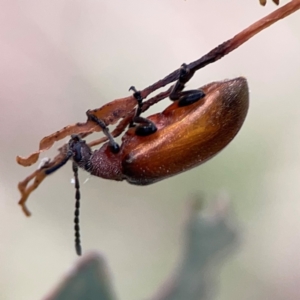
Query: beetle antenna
x=59, y=165
x=77, y=210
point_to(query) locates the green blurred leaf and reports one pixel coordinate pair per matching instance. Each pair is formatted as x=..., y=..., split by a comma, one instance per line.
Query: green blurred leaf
x=209, y=237
x=87, y=281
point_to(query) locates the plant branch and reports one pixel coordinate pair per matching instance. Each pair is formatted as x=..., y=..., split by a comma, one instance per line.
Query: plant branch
x=230, y=45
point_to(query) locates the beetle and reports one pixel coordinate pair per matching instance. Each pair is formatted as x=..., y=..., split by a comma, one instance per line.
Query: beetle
x=185, y=137
x=193, y=129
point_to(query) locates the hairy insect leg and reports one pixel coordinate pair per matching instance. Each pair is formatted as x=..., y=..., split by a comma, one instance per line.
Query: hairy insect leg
x=145, y=127
x=187, y=97
x=60, y=164
x=113, y=144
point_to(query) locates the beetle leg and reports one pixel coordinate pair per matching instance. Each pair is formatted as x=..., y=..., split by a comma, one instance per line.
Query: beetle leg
x=187, y=97
x=138, y=97
x=146, y=126
x=113, y=144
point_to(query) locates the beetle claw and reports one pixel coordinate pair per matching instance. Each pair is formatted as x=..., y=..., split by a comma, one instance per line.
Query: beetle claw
x=132, y=88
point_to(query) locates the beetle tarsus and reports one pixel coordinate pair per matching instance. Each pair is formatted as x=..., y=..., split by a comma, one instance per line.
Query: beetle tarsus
x=138, y=97
x=59, y=165
x=113, y=144
x=185, y=73
x=187, y=97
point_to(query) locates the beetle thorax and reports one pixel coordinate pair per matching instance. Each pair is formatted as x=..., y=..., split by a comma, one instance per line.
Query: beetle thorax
x=106, y=164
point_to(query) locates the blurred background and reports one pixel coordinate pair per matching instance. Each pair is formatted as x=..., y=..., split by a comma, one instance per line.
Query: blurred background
x=62, y=57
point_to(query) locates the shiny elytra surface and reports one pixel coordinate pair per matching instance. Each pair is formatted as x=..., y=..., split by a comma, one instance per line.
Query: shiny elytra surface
x=186, y=136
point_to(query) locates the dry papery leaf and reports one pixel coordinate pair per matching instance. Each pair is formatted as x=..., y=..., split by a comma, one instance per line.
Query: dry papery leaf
x=263, y=2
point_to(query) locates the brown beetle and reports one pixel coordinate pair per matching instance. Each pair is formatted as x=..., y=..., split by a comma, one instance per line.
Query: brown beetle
x=186, y=137
x=186, y=134
x=198, y=125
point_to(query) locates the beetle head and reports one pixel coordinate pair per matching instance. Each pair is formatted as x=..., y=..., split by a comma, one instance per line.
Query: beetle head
x=78, y=150
x=81, y=152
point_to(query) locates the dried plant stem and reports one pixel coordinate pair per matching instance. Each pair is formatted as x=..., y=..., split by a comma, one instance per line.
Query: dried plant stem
x=230, y=45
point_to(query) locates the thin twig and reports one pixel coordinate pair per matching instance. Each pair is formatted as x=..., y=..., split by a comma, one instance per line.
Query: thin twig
x=230, y=45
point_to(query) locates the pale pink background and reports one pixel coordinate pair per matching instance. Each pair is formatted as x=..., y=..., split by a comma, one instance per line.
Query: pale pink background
x=60, y=57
